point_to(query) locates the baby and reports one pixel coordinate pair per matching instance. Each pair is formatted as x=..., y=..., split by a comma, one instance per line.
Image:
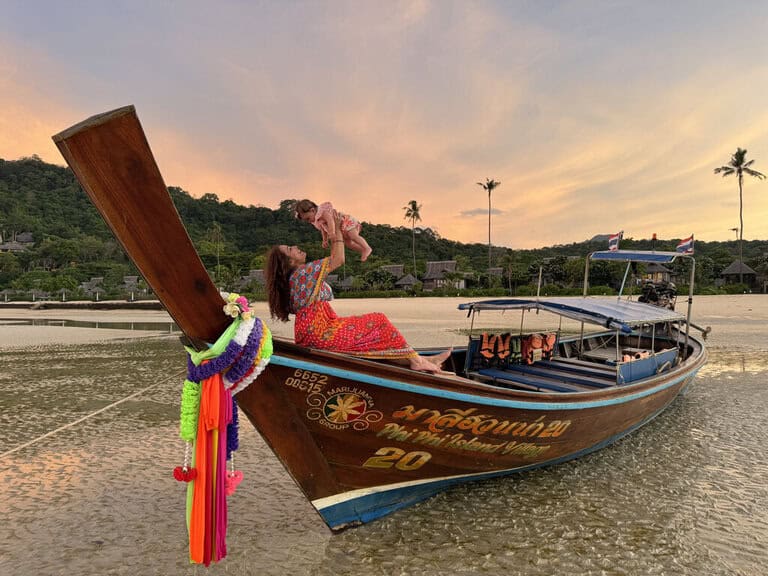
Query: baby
x=324, y=218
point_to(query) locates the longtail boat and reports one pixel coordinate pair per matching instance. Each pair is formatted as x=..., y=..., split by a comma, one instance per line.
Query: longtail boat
x=363, y=438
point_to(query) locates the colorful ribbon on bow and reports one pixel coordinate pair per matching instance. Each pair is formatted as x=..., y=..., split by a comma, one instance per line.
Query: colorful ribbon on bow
x=208, y=425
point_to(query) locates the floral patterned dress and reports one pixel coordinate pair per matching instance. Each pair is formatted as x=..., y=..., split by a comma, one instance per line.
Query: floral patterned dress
x=317, y=325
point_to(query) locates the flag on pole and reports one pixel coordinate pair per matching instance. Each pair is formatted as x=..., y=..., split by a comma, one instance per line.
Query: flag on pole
x=686, y=245
x=613, y=241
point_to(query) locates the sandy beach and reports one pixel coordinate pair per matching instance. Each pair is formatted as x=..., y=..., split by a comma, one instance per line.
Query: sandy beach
x=423, y=321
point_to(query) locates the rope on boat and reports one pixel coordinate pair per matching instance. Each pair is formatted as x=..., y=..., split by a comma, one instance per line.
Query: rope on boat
x=91, y=415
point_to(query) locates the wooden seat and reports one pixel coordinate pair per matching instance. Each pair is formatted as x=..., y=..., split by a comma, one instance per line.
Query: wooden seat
x=580, y=366
x=514, y=377
x=595, y=380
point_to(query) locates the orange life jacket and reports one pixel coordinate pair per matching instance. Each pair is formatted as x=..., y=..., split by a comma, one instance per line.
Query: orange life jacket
x=503, y=347
x=548, y=348
x=488, y=345
x=532, y=348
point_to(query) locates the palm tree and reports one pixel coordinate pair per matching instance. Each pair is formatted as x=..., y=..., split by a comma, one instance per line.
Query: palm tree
x=738, y=166
x=489, y=185
x=412, y=213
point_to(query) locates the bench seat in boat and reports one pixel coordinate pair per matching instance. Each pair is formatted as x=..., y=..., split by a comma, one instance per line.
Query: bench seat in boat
x=595, y=380
x=513, y=377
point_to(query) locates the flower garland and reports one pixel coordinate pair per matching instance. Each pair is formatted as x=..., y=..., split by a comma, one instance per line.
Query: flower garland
x=209, y=424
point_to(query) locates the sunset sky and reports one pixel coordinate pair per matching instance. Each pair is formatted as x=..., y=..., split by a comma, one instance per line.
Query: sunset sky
x=596, y=116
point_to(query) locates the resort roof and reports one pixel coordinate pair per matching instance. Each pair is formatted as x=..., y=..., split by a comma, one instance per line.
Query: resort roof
x=395, y=269
x=436, y=270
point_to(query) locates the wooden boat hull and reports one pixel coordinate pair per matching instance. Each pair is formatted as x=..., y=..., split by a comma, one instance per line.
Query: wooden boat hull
x=362, y=439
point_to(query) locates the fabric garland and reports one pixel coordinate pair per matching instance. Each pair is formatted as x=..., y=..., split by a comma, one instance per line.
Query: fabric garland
x=209, y=425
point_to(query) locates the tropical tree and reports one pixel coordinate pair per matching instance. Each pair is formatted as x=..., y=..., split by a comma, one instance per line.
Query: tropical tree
x=739, y=166
x=412, y=213
x=489, y=186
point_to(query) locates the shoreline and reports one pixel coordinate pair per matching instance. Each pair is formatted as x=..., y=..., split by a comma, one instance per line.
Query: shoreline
x=83, y=305
x=424, y=321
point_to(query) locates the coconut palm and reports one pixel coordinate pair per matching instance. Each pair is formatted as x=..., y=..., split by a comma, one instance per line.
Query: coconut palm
x=739, y=166
x=412, y=213
x=489, y=186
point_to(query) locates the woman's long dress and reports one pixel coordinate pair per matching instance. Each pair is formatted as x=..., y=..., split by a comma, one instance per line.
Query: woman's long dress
x=318, y=326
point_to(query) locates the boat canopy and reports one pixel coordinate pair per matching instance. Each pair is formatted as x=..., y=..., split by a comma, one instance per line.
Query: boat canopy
x=616, y=314
x=636, y=256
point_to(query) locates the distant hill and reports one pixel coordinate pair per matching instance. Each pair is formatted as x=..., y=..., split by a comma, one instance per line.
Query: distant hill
x=46, y=200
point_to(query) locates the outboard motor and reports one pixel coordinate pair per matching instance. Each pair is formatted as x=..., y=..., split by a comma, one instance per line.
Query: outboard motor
x=662, y=294
x=649, y=294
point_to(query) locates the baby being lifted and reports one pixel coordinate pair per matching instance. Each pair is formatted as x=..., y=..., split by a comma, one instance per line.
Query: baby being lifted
x=325, y=217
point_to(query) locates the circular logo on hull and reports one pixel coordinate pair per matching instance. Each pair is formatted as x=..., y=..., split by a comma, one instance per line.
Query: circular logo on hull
x=344, y=408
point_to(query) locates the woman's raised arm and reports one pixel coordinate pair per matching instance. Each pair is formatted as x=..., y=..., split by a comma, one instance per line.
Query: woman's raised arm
x=337, y=244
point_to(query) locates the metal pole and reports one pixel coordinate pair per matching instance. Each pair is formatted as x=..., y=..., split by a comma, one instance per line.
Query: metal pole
x=624, y=281
x=690, y=302
x=538, y=288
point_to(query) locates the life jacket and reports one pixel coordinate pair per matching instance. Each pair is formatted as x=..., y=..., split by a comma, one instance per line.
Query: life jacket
x=500, y=349
x=504, y=348
x=548, y=347
x=516, y=354
x=488, y=345
x=532, y=348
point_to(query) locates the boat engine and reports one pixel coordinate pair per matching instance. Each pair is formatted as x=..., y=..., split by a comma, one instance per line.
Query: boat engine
x=662, y=294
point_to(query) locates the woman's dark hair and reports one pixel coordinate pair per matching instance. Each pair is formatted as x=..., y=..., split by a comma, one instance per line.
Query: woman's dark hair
x=277, y=275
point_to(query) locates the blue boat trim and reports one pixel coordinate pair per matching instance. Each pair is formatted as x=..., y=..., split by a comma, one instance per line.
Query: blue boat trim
x=463, y=397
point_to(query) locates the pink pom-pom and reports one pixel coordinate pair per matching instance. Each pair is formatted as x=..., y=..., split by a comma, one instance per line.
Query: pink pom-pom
x=233, y=481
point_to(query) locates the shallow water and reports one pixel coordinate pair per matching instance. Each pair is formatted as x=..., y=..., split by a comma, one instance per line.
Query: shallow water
x=168, y=327
x=686, y=495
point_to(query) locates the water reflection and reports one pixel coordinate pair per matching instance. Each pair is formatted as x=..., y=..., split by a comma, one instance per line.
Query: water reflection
x=169, y=327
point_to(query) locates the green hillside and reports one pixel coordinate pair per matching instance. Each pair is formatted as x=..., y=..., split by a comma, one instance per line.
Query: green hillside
x=72, y=244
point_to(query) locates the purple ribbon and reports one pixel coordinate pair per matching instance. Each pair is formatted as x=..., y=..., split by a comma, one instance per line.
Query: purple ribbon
x=232, y=436
x=245, y=361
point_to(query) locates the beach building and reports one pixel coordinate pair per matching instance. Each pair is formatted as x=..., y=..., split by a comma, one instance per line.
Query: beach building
x=736, y=271
x=92, y=287
x=397, y=270
x=17, y=243
x=657, y=273
x=254, y=277
x=441, y=274
x=347, y=283
x=407, y=282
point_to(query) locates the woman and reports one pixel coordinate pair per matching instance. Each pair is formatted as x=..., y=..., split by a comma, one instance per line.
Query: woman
x=297, y=287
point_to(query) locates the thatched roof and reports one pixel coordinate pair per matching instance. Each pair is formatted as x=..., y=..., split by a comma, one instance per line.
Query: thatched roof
x=406, y=281
x=737, y=268
x=397, y=270
x=437, y=270
x=654, y=267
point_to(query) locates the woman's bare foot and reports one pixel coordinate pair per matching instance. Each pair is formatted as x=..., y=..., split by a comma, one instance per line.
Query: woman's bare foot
x=438, y=359
x=421, y=364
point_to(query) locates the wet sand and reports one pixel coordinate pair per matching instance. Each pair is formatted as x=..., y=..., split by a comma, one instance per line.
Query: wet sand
x=89, y=490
